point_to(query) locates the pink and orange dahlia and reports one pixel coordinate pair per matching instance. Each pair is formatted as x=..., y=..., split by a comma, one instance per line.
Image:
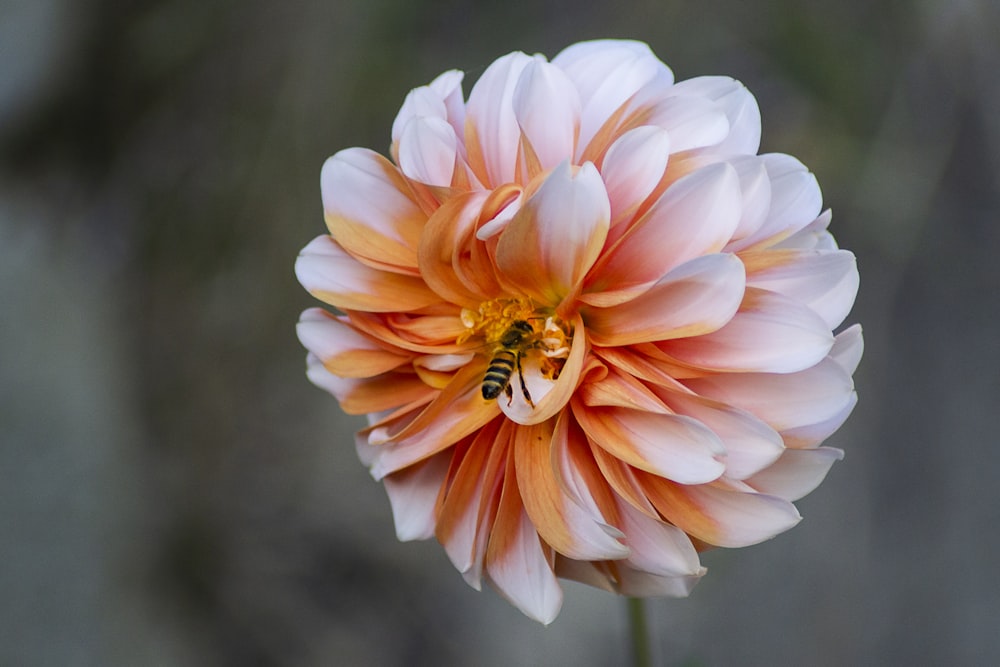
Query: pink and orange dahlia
x=590, y=326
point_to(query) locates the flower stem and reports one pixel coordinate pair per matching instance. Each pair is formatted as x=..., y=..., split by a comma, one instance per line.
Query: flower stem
x=640, y=633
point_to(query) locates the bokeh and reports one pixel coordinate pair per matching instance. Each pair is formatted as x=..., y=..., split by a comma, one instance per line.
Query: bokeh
x=174, y=492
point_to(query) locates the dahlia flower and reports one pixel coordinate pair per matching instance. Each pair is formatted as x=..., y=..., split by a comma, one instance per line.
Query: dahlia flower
x=591, y=328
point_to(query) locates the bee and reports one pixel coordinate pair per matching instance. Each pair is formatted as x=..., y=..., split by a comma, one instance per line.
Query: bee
x=519, y=337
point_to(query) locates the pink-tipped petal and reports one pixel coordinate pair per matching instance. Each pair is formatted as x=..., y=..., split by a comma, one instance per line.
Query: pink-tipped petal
x=368, y=210
x=723, y=517
x=696, y=298
x=784, y=401
x=825, y=280
x=695, y=216
x=547, y=109
x=671, y=446
x=428, y=149
x=607, y=73
x=632, y=168
x=518, y=563
x=335, y=277
x=344, y=350
x=797, y=473
x=556, y=236
x=739, y=106
x=771, y=333
x=491, y=130
x=413, y=494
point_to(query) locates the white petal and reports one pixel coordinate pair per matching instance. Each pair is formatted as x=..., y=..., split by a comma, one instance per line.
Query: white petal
x=491, y=114
x=427, y=151
x=826, y=281
x=797, y=473
x=739, y=106
x=632, y=167
x=848, y=347
x=547, y=108
x=413, y=494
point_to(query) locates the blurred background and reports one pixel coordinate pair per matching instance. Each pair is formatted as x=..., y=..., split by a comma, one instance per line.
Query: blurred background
x=174, y=492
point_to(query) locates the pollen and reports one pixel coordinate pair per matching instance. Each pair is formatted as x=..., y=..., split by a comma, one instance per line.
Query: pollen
x=551, y=339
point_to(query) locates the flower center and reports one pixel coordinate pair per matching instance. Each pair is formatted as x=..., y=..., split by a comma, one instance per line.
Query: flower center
x=519, y=326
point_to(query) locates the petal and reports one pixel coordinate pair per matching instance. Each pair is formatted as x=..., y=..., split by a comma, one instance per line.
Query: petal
x=424, y=101
x=492, y=134
x=548, y=396
x=368, y=210
x=457, y=411
x=848, y=347
x=824, y=280
x=813, y=236
x=335, y=277
x=413, y=494
x=770, y=334
x=722, y=517
x=692, y=122
x=428, y=149
x=797, y=473
x=672, y=446
x=547, y=109
x=448, y=85
x=751, y=445
x=698, y=297
x=556, y=236
x=784, y=401
x=363, y=396
x=796, y=200
x=657, y=547
x=343, y=350
x=517, y=562
x=562, y=523
x=470, y=502
x=447, y=241
x=632, y=168
x=811, y=435
x=739, y=106
x=607, y=73
x=636, y=583
x=695, y=216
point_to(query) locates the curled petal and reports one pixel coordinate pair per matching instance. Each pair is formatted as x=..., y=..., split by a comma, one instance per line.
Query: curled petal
x=825, y=280
x=492, y=134
x=413, y=494
x=457, y=411
x=737, y=103
x=632, y=168
x=444, y=246
x=518, y=564
x=607, y=73
x=364, y=396
x=367, y=209
x=784, y=401
x=795, y=201
x=556, y=236
x=695, y=216
x=797, y=473
x=696, y=298
x=428, y=149
x=335, y=277
x=671, y=446
x=770, y=334
x=343, y=350
x=562, y=523
x=549, y=396
x=448, y=86
x=813, y=236
x=425, y=102
x=848, y=346
x=547, y=109
x=723, y=517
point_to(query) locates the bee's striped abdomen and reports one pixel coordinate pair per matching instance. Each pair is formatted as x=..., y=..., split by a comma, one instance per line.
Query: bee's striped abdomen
x=498, y=375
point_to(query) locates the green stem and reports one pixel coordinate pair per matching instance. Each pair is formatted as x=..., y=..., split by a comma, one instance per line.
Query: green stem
x=640, y=633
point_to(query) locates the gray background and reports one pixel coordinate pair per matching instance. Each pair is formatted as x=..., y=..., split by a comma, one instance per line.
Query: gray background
x=173, y=491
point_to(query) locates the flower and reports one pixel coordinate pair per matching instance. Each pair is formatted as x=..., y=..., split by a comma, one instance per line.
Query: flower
x=590, y=326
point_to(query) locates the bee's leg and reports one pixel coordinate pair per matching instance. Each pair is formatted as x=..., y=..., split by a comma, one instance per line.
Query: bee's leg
x=524, y=387
x=510, y=393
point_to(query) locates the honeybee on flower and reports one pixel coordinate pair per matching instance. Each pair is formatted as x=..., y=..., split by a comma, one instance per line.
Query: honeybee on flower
x=591, y=328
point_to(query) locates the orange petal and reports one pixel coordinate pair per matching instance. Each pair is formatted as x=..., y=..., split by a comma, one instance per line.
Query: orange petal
x=672, y=446
x=449, y=234
x=335, y=277
x=518, y=563
x=457, y=411
x=722, y=517
x=556, y=235
x=364, y=396
x=562, y=523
